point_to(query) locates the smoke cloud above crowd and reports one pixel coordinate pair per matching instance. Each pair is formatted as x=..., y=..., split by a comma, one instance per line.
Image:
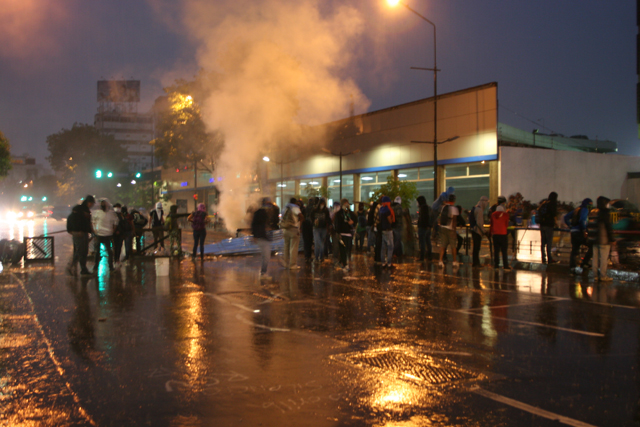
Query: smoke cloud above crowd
x=283, y=68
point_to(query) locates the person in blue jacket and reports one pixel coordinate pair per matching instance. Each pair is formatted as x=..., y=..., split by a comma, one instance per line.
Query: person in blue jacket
x=578, y=223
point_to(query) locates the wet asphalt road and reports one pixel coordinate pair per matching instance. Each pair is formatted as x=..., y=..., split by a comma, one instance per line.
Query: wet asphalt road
x=417, y=345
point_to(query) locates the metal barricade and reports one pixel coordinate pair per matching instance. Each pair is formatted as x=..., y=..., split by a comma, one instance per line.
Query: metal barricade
x=39, y=249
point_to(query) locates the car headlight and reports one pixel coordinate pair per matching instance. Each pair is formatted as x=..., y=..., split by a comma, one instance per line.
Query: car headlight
x=20, y=214
x=29, y=214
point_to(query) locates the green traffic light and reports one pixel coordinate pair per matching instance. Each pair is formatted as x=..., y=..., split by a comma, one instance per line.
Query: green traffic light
x=110, y=175
x=30, y=198
x=44, y=199
x=98, y=173
x=138, y=175
x=23, y=198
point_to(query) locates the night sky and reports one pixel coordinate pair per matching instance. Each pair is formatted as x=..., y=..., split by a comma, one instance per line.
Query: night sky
x=569, y=66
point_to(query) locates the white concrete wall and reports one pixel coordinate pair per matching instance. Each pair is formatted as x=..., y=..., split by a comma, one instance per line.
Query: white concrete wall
x=573, y=175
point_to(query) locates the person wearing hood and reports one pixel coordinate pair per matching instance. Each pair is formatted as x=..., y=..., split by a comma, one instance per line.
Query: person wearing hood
x=79, y=225
x=499, y=229
x=156, y=217
x=579, y=219
x=601, y=236
x=397, y=226
x=321, y=219
x=291, y=219
x=448, y=234
x=371, y=221
x=345, y=222
x=476, y=221
x=385, y=226
x=442, y=200
x=424, y=229
x=547, y=213
x=199, y=220
x=105, y=223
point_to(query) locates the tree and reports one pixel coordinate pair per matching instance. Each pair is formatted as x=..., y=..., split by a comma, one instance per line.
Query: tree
x=407, y=191
x=75, y=154
x=312, y=191
x=183, y=138
x=5, y=156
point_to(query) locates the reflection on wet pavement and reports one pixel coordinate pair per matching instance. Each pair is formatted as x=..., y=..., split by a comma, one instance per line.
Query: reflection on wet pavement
x=416, y=345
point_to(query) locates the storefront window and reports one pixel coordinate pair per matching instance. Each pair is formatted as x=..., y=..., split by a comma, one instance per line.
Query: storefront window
x=470, y=186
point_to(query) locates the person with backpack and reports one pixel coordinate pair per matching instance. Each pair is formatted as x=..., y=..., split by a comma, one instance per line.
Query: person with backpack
x=547, y=212
x=498, y=230
x=321, y=219
x=260, y=226
x=386, y=217
x=361, y=228
x=198, y=220
x=290, y=225
x=448, y=221
x=424, y=229
x=79, y=225
x=476, y=224
x=344, y=221
x=601, y=237
x=139, y=223
x=577, y=219
x=397, y=226
x=157, y=227
x=127, y=232
x=105, y=223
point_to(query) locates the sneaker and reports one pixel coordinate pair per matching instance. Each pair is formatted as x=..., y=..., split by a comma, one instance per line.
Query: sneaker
x=264, y=276
x=456, y=264
x=441, y=264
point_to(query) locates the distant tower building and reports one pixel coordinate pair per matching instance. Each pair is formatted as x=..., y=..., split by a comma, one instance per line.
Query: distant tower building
x=118, y=116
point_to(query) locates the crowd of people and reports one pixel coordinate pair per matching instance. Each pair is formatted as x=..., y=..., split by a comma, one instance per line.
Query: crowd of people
x=385, y=230
x=114, y=228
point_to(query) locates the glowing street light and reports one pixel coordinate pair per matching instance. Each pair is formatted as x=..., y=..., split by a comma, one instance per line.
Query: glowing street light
x=266, y=159
x=133, y=181
x=393, y=3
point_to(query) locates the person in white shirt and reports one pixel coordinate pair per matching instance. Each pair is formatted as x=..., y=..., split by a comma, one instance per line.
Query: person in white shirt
x=105, y=222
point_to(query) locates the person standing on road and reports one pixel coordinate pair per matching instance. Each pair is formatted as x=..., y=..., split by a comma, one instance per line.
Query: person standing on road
x=119, y=234
x=157, y=226
x=260, y=226
x=361, y=228
x=199, y=220
x=499, y=229
x=371, y=221
x=397, y=227
x=448, y=234
x=476, y=223
x=424, y=229
x=345, y=221
x=291, y=219
x=547, y=213
x=105, y=223
x=578, y=219
x=385, y=228
x=321, y=222
x=79, y=226
x=306, y=228
x=128, y=232
x=601, y=236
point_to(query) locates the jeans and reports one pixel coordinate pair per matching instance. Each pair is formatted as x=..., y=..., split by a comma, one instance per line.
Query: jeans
x=397, y=241
x=128, y=245
x=371, y=237
x=378, y=248
x=291, y=244
x=477, y=244
x=345, y=249
x=80, y=250
x=360, y=240
x=307, y=239
x=118, y=240
x=600, y=259
x=158, y=234
x=546, y=239
x=319, y=236
x=577, y=240
x=106, y=241
x=500, y=245
x=265, y=252
x=424, y=240
x=198, y=240
x=387, y=247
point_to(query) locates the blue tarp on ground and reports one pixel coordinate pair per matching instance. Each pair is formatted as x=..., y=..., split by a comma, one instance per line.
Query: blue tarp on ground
x=245, y=245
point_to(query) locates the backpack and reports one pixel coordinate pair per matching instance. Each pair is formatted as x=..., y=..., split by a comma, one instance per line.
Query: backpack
x=575, y=219
x=156, y=220
x=445, y=215
x=544, y=212
x=472, y=218
x=124, y=226
x=139, y=220
x=197, y=222
x=288, y=219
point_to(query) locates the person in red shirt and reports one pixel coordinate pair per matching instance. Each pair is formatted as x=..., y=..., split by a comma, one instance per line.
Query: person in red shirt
x=499, y=224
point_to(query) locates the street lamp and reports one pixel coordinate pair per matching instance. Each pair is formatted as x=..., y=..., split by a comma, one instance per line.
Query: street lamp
x=435, y=70
x=341, y=155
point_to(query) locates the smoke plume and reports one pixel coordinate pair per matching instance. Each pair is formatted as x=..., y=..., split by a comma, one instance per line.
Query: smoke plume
x=283, y=67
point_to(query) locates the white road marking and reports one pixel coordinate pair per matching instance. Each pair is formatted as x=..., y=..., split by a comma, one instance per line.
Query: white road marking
x=269, y=328
x=491, y=307
x=531, y=409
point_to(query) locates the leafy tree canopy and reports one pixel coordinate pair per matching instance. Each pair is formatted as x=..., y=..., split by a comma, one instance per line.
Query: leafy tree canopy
x=5, y=156
x=184, y=139
x=407, y=191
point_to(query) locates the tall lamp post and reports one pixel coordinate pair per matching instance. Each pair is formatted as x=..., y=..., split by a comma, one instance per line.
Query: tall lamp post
x=435, y=93
x=341, y=155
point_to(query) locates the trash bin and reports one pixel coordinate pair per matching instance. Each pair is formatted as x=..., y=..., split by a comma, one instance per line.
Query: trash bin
x=162, y=266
